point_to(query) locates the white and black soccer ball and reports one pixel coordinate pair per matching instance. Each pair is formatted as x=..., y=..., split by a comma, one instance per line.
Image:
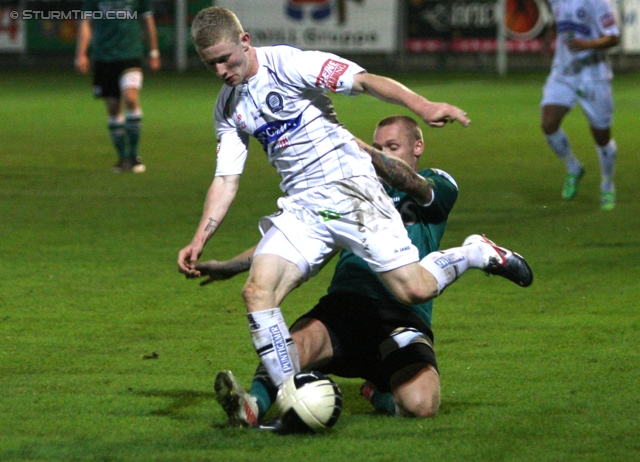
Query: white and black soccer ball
x=309, y=402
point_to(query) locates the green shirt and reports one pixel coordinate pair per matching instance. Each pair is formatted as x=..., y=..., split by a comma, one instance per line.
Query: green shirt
x=425, y=226
x=117, y=39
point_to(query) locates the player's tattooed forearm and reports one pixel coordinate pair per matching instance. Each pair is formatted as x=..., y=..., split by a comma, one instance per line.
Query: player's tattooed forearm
x=212, y=225
x=399, y=174
x=242, y=265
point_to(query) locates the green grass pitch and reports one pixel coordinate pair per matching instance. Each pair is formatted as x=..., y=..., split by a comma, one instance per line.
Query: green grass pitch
x=89, y=285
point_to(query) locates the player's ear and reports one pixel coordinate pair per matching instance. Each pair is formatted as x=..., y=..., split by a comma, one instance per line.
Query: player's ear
x=418, y=147
x=245, y=41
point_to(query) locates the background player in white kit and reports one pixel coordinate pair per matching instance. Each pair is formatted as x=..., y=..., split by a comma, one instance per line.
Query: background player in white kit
x=581, y=72
x=333, y=197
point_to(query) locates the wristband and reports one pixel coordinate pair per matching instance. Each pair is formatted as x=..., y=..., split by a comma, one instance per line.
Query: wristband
x=154, y=54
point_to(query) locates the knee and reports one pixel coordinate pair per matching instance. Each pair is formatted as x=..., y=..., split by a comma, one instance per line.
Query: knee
x=549, y=127
x=601, y=137
x=252, y=293
x=421, y=406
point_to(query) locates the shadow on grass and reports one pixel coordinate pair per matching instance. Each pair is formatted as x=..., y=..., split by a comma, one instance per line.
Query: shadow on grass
x=182, y=399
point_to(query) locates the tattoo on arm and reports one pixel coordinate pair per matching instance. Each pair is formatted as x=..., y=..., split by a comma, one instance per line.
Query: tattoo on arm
x=240, y=266
x=212, y=225
x=399, y=175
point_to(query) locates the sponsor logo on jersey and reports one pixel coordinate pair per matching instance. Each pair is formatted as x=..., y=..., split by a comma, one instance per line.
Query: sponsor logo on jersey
x=329, y=215
x=403, y=249
x=608, y=20
x=271, y=131
x=275, y=101
x=283, y=142
x=280, y=347
x=330, y=73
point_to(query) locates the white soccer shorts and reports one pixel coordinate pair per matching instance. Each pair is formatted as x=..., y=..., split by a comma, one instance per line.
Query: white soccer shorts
x=595, y=99
x=131, y=79
x=353, y=213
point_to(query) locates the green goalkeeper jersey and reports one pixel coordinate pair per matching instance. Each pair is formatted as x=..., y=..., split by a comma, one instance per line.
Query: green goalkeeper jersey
x=425, y=226
x=117, y=39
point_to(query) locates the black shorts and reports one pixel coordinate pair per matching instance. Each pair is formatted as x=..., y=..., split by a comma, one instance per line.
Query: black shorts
x=106, y=76
x=361, y=328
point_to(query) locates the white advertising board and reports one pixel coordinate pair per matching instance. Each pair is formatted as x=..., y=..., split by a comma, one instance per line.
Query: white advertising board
x=12, y=33
x=356, y=26
x=630, y=25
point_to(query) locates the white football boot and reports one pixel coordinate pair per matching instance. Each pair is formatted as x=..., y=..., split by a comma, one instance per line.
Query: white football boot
x=240, y=406
x=503, y=262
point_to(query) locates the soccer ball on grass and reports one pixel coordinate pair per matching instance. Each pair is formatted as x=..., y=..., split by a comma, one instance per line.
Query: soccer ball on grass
x=309, y=402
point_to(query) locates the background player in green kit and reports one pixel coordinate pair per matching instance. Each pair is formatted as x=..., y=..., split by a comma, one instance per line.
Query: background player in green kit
x=115, y=36
x=359, y=329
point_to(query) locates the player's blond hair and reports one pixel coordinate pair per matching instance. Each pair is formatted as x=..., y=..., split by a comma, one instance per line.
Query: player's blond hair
x=214, y=25
x=412, y=127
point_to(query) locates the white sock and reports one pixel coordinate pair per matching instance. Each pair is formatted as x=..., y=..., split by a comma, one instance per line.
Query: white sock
x=273, y=343
x=448, y=265
x=135, y=114
x=559, y=143
x=607, y=157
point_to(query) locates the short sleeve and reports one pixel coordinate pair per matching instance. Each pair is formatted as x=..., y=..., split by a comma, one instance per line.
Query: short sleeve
x=445, y=190
x=232, y=148
x=323, y=71
x=605, y=19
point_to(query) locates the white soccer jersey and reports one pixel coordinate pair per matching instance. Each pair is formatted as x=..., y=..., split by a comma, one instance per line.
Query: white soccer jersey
x=285, y=107
x=583, y=19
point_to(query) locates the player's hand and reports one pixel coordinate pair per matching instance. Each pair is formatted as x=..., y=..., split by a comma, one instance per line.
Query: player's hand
x=215, y=271
x=187, y=259
x=82, y=64
x=439, y=114
x=578, y=44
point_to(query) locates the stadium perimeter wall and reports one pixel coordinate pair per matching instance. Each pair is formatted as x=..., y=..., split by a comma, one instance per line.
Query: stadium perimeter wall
x=382, y=35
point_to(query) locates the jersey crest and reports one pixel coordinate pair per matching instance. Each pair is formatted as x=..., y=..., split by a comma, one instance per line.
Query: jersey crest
x=275, y=102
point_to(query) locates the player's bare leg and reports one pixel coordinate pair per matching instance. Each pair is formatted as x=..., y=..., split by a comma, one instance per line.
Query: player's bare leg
x=411, y=284
x=552, y=116
x=313, y=343
x=416, y=390
x=271, y=278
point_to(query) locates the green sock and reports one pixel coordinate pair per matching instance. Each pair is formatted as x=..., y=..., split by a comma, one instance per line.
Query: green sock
x=117, y=132
x=264, y=390
x=133, y=124
x=383, y=402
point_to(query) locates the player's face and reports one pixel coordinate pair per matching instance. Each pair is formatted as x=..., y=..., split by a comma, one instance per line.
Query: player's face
x=229, y=61
x=395, y=141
